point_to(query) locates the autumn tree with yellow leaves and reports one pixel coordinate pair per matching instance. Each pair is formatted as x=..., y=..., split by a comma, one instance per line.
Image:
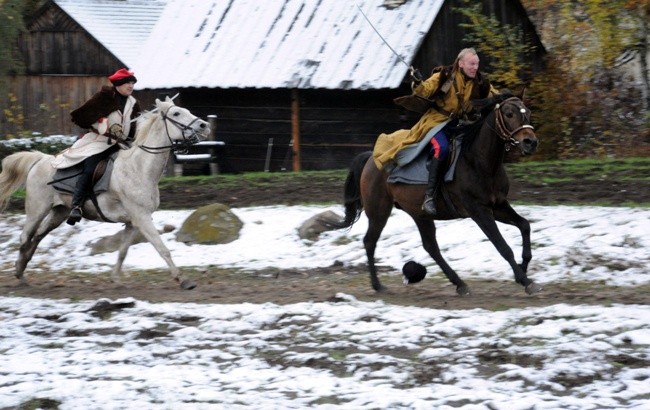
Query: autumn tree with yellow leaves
x=593, y=96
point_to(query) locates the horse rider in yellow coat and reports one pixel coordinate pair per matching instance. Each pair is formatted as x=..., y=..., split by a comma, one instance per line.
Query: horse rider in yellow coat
x=444, y=98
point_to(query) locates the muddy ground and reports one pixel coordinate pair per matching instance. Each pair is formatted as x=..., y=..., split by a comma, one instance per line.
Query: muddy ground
x=289, y=286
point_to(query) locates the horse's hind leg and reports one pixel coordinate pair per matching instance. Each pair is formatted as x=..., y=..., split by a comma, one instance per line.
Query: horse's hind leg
x=375, y=226
x=33, y=232
x=127, y=240
x=427, y=230
x=378, y=213
x=25, y=253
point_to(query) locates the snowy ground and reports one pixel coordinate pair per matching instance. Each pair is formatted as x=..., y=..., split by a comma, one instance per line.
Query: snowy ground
x=568, y=243
x=345, y=353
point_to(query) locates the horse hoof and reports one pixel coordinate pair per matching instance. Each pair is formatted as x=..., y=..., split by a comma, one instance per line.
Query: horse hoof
x=463, y=290
x=533, y=288
x=188, y=284
x=379, y=288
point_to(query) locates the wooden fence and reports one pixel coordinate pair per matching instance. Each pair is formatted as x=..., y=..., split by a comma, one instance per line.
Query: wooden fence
x=43, y=103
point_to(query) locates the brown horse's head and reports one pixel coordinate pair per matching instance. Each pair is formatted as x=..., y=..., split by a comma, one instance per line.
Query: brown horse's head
x=513, y=125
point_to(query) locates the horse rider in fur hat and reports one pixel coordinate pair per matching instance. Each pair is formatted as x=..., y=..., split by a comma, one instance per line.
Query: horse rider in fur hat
x=443, y=98
x=107, y=118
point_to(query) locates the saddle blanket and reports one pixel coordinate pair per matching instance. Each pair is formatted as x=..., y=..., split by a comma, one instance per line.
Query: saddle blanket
x=416, y=172
x=65, y=179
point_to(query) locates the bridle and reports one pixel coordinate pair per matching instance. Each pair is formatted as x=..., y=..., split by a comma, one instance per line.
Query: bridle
x=503, y=131
x=175, y=145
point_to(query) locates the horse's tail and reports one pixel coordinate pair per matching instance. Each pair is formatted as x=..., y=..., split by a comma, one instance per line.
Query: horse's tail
x=15, y=168
x=352, y=191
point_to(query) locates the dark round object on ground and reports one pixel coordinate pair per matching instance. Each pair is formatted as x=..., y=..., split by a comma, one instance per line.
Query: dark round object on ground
x=413, y=272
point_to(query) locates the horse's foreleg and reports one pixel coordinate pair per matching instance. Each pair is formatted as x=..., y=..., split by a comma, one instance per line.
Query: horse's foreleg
x=485, y=220
x=505, y=214
x=127, y=240
x=148, y=230
x=427, y=230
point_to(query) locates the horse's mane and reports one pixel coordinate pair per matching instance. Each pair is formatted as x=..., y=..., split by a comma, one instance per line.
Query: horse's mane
x=483, y=107
x=144, y=124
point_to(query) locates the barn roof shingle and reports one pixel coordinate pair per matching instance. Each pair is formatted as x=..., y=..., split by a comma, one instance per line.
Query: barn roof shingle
x=282, y=44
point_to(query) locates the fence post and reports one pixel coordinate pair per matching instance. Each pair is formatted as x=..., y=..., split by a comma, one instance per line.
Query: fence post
x=212, y=120
x=295, y=128
x=269, y=149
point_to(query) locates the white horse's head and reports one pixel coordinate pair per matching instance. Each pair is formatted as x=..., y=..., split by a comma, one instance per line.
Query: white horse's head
x=180, y=124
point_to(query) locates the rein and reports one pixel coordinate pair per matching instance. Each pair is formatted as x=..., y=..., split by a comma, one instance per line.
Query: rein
x=503, y=131
x=175, y=146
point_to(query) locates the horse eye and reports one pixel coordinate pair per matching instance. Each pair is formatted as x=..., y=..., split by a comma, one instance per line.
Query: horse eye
x=509, y=114
x=176, y=114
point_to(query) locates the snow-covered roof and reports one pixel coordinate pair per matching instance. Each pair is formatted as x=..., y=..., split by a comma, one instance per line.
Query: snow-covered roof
x=283, y=43
x=122, y=26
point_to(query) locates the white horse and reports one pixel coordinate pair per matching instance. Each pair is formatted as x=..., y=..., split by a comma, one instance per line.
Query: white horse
x=132, y=195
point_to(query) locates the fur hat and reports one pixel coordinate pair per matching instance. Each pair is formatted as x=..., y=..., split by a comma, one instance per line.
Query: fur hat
x=122, y=76
x=413, y=272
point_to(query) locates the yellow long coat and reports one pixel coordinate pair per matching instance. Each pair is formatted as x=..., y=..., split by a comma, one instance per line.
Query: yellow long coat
x=457, y=101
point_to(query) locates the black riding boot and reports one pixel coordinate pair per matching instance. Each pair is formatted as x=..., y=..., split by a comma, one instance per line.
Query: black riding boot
x=429, y=205
x=78, y=198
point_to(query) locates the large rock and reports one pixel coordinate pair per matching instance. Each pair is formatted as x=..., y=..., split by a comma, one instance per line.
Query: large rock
x=210, y=225
x=317, y=224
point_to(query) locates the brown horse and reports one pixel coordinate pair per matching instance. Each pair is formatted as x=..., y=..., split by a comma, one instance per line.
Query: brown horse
x=478, y=191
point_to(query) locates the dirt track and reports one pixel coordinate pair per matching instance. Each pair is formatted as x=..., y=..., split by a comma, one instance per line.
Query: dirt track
x=289, y=286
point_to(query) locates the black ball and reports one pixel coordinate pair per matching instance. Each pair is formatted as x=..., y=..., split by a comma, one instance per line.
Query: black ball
x=413, y=272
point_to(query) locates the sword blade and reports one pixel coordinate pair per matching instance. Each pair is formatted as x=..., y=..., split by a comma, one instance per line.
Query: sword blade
x=382, y=37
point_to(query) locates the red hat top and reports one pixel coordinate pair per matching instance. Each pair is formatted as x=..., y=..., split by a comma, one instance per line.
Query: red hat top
x=122, y=76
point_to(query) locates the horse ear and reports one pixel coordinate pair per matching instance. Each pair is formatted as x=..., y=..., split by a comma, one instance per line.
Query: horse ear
x=480, y=104
x=167, y=99
x=159, y=105
x=521, y=93
x=163, y=106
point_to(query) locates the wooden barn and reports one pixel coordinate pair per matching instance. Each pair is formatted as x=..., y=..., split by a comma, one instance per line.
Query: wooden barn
x=69, y=48
x=295, y=84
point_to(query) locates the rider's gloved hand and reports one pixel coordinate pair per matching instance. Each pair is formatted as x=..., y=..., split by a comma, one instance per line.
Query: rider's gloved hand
x=116, y=130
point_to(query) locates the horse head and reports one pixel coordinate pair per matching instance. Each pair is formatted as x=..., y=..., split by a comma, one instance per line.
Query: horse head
x=183, y=128
x=513, y=124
